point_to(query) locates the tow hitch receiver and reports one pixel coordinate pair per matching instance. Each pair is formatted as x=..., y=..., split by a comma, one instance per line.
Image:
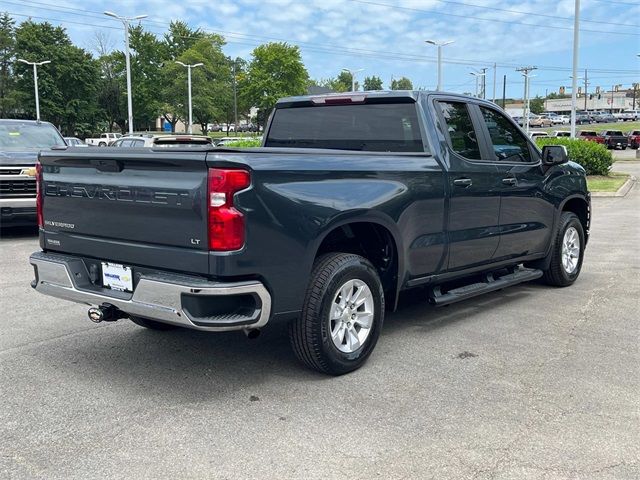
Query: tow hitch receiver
x=105, y=313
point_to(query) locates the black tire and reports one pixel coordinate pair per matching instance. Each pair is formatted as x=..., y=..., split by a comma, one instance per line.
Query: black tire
x=152, y=324
x=310, y=334
x=556, y=274
x=102, y=144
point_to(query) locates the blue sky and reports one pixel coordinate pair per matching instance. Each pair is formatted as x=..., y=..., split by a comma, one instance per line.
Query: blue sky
x=386, y=37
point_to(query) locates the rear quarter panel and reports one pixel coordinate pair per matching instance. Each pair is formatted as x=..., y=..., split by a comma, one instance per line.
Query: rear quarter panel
x=296, y=200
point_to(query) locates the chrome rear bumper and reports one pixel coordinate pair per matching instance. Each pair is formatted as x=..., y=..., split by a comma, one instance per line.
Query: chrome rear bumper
x=180, y=300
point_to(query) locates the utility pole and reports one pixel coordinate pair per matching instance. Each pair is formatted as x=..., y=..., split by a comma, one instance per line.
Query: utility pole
x=574, y=80
x=189, y=67
x=353, y=77
x=526, y=73
x=484, y=83
x=495, y=70
x=439, y=45
x=504, y=90
x=35, y=82
x=125, y=21
x=586, y=84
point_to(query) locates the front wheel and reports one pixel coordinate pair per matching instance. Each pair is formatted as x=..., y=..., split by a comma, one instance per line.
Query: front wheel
x=566, y=253
x=342, y=314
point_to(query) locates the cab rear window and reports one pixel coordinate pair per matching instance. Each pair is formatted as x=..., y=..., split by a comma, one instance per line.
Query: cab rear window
x=388, y=127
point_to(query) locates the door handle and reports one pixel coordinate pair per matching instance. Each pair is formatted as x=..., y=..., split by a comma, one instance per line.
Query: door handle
x=510, y=181
x=463, y=182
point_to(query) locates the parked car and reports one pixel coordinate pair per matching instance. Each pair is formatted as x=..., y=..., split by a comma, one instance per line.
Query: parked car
x=538, y=134
x=20, y=141
x=632, y=115
x=614, y=139
x=633, y=139
x=214, y=127
x=553, y=117
x=539, y=121
x=564, y=119
x=590, y=135
x=623, y=116
x=583, y=118
x=75, y=142
x=561, y=133
x=604, y=117
x=224, y=140
x=104, y=140
x=163, y=141
x=349, y=203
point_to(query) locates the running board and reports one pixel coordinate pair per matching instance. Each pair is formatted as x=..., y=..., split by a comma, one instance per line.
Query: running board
x=490, y=283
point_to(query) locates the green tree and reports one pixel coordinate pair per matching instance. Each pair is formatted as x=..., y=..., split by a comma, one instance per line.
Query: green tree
x=402, y=83
x=177, y=40
x=537, y=104
x=276, y=70
x=67, y=86
x=341, y=83
x=148, y=56
x=373, y=83
x=7, y=51
x=211, y=83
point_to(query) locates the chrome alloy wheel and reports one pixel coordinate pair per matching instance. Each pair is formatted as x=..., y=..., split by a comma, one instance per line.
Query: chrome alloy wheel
x=570, y=250
x=351, y=316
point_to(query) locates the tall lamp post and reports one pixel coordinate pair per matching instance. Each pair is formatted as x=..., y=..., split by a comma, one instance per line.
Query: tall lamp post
x=189, y=67
x=574, y=69
x=35, y=82
x=353, y=77
x=125, y=21
x=478, y=75
x=439, y=45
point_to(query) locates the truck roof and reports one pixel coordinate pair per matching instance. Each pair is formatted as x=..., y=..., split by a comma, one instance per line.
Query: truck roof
x=373, y=96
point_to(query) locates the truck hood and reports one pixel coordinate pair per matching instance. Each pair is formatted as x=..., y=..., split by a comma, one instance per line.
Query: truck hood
x=22, y=157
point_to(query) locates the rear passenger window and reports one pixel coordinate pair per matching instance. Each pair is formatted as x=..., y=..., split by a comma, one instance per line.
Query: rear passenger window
x=509, y=144
x=464, y=140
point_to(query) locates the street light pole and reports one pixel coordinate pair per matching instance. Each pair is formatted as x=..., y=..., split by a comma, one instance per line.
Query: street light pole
x=526, y=73
x=439, y=45
x=574, y=80
x=35, y=82
x=353, y=77
x=478, y=75
x=189, y=67
x=125, y=21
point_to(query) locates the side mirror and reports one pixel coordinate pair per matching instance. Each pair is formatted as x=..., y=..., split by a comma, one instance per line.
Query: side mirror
x=554, y=154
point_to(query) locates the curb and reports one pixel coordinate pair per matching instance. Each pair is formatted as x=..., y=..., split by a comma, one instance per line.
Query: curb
x=622, y=191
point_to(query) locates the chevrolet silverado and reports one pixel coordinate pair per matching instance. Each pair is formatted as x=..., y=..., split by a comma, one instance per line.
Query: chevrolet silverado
x=352, y=199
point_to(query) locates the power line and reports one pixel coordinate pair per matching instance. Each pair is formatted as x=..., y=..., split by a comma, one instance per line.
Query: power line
x=495, y=9
x=324, y=48
x=508, y=22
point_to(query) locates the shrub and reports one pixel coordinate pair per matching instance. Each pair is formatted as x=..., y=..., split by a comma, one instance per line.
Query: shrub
x=594, y=157
x=245, y=143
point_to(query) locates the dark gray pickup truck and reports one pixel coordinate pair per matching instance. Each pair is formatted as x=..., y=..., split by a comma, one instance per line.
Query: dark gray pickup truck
x=352, y=199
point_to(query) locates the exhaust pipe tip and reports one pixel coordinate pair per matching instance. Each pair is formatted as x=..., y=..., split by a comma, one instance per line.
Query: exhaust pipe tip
x=96, y=314
x=252, y=333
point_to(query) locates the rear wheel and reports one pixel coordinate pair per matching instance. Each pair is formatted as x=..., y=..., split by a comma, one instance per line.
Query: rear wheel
x=342, y=314
x=567, y=252
x=152, y=324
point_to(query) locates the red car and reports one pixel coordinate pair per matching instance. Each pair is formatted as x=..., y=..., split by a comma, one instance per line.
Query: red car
x=591, y=136
x=634, y=139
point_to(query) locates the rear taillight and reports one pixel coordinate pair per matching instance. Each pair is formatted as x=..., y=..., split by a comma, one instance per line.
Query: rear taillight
x=39, y=194
x=226, y=223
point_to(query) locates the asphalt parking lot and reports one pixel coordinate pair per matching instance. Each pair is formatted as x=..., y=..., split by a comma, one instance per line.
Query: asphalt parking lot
x=529, y=382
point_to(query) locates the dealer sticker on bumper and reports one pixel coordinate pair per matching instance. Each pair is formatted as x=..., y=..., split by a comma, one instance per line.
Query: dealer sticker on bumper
x=117, y=277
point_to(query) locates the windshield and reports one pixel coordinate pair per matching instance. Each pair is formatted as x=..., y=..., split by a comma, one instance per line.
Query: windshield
x=617, y=133
x=28, y=136
x=365, y=127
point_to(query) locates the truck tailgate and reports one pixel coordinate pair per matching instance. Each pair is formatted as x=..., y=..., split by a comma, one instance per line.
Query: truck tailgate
x=134, y=206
